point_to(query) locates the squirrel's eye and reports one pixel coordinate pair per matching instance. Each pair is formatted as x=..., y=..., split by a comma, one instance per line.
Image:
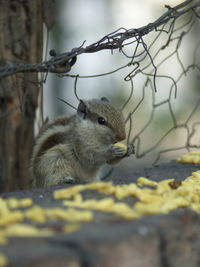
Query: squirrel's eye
x=101, y=120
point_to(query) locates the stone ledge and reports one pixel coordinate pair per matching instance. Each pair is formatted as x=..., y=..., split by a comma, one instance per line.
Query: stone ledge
x=157, y=240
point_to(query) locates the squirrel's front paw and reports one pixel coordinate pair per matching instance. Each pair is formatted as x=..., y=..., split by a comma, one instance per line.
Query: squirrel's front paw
x=117, y=151
x=67, y=180
x=124, y=150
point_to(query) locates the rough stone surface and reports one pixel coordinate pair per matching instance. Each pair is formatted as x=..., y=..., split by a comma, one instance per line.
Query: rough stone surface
x=171, y=240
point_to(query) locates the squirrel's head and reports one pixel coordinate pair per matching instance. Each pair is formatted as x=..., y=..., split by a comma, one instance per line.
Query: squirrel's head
x=106, y=118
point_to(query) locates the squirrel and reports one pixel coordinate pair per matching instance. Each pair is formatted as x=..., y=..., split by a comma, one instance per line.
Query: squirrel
x=73, y=149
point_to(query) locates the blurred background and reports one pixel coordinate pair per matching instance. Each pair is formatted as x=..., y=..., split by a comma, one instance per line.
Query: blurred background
x=163, y=126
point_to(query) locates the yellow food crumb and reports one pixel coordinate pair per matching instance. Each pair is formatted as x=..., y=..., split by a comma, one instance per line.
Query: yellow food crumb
x=3, y=205
x=145, y=181
x=196, y=174
x=192, y=157
x=36, y=214
x=26, y=230
x=11, y=217
x=68, y=192
x=3, y=260
x=69, y=215
x=74, y=190
x=119, y=144
x=69, y=228
x=14, y=203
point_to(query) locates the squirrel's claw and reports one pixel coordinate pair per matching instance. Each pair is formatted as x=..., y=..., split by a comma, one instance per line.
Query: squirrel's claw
x=67, y=180
x=130, y=150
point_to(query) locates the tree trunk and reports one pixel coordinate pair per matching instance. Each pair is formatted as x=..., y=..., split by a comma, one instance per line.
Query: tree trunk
x=20, y=40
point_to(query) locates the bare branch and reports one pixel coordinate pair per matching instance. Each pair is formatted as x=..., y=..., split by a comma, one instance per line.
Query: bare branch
x=116, y=40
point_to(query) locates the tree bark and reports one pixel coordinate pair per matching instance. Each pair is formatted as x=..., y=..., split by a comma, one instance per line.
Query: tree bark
x=21, y=40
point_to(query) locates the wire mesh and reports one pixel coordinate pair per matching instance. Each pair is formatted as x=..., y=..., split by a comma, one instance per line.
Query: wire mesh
x=147, y=50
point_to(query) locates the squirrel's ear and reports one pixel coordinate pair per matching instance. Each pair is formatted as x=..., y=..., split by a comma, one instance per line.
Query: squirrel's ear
x=82, y=109
x=105, y=99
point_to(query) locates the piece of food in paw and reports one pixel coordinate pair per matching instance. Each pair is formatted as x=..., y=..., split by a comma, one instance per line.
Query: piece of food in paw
x=119, y=144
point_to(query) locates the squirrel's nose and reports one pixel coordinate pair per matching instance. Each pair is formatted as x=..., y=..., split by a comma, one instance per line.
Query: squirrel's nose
x=120, y=137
